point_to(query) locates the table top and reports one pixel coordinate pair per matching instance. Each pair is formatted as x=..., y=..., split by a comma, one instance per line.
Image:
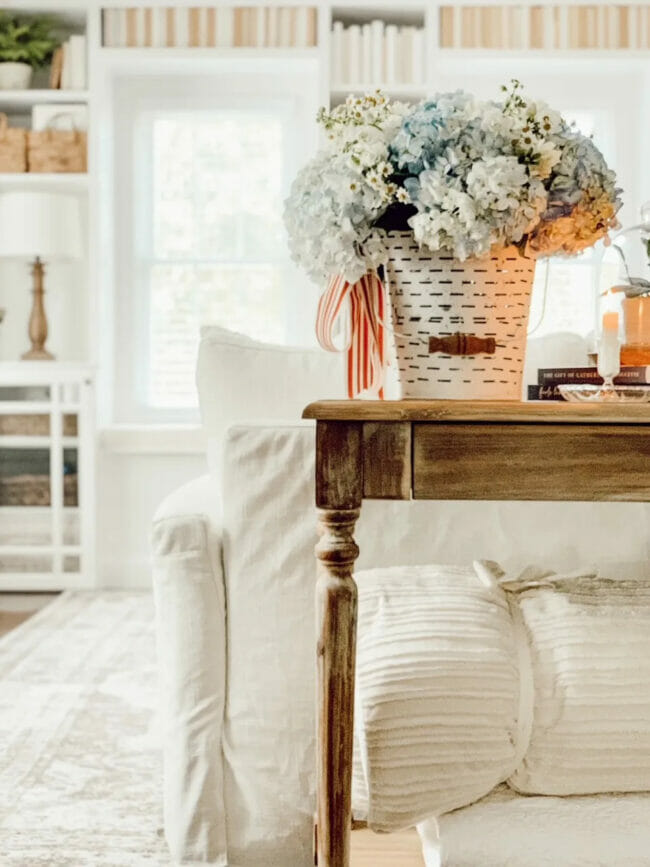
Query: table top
x=537, y=412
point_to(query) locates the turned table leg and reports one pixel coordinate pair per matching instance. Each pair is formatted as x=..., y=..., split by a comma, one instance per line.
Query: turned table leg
x=339, y=492
x=337, y=626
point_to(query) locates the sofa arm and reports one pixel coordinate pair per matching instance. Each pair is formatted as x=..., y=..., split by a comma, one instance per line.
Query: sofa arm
x=190, y=623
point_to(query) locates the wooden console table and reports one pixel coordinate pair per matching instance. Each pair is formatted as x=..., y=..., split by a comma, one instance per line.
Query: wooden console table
x=439, y=450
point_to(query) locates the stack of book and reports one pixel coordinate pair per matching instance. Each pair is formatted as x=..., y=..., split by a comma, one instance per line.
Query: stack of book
x=210, y=27
x=549, y=378
x=68, y=70
x=376, y=54
x=546, y=26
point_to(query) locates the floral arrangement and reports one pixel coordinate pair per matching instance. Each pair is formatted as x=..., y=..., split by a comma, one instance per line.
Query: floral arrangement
x=465, y=176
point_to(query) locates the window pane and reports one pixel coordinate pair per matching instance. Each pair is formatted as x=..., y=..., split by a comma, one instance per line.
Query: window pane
x=245, y=298
x=217, y=186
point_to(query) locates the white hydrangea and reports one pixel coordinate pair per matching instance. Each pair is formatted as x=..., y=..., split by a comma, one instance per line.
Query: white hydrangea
x=336, y=199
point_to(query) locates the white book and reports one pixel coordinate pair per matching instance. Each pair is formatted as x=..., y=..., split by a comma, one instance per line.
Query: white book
x=273, y=34
x=524, y=27
x=181, y=27
x=417, y=75
x=377, y=47
x=354, y=53
x=643, y=27
x=107, y=28
x=457, y=27
x=390, y=54
x=613, y=36
x=563, y=36
x=140, y=28
x=226, y=27
x=77, y=54
x=601, y=27
x=286, y=14
x=632, y=27
x=260, y=26
x=405, y=51
x=590, y=16
x=336, y=53
x=203, y=26
x=120, y=28
x=158, y=27
x=302, y=26
x=506, y=31
x=366, y=54
x=65, y=67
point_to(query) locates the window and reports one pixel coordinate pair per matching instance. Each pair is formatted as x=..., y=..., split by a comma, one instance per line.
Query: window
x=217, y=250
x=209, y=177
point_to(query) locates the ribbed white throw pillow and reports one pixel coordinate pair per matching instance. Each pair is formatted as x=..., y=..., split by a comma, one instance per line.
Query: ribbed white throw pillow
x=437, y=691
x=590, y=653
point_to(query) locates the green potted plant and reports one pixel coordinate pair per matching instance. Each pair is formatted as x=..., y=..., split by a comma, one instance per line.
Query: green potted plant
x=26, y=43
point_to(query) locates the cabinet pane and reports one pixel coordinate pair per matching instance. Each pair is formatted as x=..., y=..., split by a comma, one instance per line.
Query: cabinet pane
x=70, y=478
x=71, y=563
x=32, y=562
x=25, y=392
x=24, y=477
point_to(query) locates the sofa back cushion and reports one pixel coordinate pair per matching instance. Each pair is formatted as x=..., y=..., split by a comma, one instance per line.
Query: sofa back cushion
x=241, y=380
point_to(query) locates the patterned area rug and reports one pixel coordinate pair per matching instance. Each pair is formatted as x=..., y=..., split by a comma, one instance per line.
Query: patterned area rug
x=80, y=768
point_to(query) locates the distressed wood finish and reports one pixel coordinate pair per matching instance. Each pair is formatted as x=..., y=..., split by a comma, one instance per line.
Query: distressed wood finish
x=439, y=450
x=531, y=462
x=339, y=470
x=387, y=461
x=549, y=412
x=336, y=600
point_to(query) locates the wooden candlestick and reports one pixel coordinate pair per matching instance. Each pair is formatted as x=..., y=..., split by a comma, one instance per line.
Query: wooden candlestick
x=37, y=329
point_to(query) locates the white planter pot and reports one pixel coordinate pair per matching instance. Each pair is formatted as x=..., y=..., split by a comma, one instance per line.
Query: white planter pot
x=15, y=76
x=436, y=296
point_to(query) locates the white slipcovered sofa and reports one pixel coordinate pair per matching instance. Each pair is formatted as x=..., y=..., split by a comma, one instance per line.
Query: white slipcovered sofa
x=234, y=584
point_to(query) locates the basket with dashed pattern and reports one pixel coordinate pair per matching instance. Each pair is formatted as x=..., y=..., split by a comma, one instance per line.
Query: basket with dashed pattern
x=442, y=308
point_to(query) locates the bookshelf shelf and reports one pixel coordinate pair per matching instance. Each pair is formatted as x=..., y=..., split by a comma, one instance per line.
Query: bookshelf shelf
x=173, y=54
x=15, y=100
x=72, y=182
x=339, y=91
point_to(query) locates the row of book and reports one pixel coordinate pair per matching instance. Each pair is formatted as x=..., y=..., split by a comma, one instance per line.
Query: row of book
x=566, y=26
x=210, y=27
x=377, y=54
x=68, y=70
x=549, y=378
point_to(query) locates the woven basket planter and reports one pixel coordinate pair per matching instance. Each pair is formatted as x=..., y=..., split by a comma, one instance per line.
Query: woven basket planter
x=13, y=147
x=459, y=328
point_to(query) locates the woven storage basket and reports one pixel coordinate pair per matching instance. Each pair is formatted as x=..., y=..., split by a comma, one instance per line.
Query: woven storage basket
x=13, y=147
x=436, y=296
x=28, y=490
x=55, y=150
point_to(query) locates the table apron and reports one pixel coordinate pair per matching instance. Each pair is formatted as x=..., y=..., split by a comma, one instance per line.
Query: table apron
x=496, y=461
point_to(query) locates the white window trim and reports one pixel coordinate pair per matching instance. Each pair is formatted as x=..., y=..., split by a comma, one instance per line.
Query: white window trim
x=291, y=84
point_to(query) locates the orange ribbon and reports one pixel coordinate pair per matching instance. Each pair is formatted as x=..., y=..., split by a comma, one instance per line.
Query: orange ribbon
x=363, y=303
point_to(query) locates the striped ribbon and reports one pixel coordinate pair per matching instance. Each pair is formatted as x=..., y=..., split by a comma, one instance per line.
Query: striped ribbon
x=362, y=306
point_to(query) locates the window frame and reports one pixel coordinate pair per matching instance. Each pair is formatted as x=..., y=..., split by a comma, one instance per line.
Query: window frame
x=138, y=97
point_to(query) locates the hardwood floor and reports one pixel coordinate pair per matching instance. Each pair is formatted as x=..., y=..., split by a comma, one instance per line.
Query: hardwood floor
x=17, y=607
x=386, y=850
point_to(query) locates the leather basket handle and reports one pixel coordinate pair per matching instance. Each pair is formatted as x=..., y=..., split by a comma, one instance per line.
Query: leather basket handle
x=463, y=344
